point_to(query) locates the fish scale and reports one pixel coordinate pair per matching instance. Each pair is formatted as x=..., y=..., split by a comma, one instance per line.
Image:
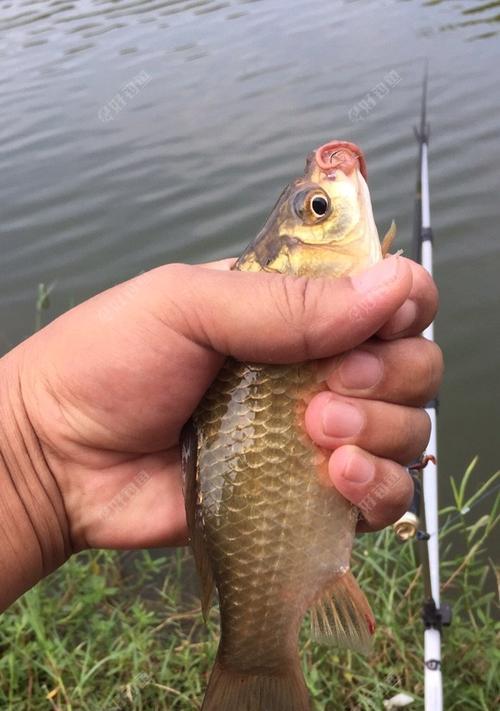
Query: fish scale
x=255, y=492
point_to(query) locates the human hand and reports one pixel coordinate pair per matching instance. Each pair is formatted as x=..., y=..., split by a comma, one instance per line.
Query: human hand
x=371, y=417
x=101, y=394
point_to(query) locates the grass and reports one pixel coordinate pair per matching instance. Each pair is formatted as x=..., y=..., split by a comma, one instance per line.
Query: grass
x=120, y=632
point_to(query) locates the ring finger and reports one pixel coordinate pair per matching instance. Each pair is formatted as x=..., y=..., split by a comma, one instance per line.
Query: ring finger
x=384, y=429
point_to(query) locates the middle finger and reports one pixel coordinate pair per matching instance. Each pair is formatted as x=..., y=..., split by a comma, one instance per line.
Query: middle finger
x=406, y=371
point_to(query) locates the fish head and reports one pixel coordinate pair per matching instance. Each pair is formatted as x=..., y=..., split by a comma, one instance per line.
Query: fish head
x=322, y=224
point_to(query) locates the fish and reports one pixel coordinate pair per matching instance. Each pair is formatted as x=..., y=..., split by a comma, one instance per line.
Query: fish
x=266, y=526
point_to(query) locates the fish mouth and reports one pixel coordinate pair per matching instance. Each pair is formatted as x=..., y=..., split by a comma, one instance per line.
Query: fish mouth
x=341, y=155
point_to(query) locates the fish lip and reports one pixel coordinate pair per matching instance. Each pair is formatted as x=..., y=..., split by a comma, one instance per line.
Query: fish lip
x=341, y=155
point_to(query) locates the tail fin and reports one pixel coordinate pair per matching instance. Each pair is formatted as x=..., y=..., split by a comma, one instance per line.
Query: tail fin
x=229, y=690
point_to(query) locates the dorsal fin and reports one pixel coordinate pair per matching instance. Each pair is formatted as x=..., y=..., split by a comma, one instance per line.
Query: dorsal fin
x=389, y=238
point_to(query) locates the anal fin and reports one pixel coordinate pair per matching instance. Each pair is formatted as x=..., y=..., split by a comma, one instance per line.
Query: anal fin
x=342, y=616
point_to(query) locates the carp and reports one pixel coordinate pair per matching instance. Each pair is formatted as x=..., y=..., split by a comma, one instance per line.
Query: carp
x=267, y=527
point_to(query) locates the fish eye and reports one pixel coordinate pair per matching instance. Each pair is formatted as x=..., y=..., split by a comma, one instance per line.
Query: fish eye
x=319, y=205
x=312, y=206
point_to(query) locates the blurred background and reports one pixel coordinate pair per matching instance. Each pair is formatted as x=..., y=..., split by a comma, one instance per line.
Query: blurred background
x=141, y=132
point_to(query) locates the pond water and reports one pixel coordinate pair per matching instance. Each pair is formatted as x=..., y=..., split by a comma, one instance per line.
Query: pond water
x=136, y=133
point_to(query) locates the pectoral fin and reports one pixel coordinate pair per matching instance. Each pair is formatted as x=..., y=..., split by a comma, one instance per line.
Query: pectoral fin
x=342, y=616
x=194, y=514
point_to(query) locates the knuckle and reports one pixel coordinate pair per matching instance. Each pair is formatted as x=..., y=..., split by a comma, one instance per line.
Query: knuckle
x=422, y=279
x=419, y=433
x=402, y=493
x=426, y=428
x=280, y=292
x=174, y=270
x=432, y=368
x=297, y=301
x=300, y=297
x=390, y=496
x=438, y=367
x=427, y=294
x=414, y=433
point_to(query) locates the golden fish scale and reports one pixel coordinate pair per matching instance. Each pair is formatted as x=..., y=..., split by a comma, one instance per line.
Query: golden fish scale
x=275, y=534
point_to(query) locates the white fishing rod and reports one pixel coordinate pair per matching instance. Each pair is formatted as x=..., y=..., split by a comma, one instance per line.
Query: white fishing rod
x=421, y=522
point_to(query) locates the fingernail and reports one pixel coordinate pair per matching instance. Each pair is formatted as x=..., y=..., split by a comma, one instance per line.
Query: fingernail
x=359, y=469
x=404, y=317
x=383, y=272
x=341, y=419
x=360, y=370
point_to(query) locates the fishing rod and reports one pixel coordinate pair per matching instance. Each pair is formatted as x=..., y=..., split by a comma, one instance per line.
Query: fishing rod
x=421, y=520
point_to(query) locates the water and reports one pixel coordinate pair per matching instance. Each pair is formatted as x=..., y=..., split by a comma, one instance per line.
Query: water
x=99, y=181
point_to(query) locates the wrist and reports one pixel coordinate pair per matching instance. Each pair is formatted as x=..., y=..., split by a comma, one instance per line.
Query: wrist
x=33, y=525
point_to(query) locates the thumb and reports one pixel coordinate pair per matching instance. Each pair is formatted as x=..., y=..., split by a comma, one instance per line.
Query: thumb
x=265, y=317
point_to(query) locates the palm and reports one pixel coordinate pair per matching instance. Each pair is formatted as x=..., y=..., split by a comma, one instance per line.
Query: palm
x=124, y=393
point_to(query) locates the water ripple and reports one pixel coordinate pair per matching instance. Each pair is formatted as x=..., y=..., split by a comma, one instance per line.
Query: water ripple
x=100, y=181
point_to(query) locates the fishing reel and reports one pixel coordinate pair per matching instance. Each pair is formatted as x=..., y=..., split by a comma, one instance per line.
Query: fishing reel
x=407, y=526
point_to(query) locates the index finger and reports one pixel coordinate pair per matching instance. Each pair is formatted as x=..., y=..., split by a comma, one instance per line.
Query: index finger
x=419, y=309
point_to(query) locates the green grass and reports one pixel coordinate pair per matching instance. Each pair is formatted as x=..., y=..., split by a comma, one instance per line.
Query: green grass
x=113, y=632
